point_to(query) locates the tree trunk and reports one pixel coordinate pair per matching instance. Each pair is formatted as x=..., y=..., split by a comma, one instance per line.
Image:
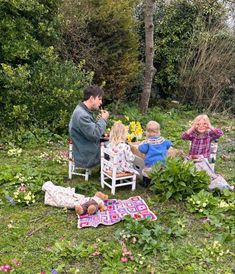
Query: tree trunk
x=149, y=9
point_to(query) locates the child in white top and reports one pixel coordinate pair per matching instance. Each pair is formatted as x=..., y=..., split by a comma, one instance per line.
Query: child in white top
x=117, y=139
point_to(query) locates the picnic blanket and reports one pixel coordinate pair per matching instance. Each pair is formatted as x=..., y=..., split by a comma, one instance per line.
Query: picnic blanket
x=116, y=210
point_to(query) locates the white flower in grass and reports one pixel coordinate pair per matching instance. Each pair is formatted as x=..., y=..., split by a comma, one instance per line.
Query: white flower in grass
x=22, y=179
x=223, y=204
x=216, y=245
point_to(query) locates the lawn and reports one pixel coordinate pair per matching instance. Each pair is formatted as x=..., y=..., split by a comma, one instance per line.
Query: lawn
x=36, y=238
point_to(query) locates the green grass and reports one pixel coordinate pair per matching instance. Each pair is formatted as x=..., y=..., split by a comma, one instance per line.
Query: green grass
x=29, y=234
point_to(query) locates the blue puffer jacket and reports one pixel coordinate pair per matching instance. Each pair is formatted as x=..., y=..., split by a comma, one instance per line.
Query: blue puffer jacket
x=155, y=150
x=85, y=133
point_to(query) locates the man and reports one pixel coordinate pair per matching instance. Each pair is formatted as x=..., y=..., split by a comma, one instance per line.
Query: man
x=85, y=130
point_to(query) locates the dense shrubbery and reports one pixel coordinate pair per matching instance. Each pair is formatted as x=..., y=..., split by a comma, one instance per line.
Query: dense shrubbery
x=173, y=30
x=104, y=34
x=193, y=47
x=178, y=179
x=27, y=28
x=38, y=90
x=43, y=95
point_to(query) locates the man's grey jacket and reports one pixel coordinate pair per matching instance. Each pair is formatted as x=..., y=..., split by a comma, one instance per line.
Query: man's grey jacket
x=85, y=133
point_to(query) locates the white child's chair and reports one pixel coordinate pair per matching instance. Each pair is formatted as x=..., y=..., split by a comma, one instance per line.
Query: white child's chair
x=72, y=169
x=111, y=178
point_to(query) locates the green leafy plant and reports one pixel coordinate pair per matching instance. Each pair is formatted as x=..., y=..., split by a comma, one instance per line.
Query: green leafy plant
x=218, y=212
x=202, y=202
x=177, y=226
x=195, y=258
x=67, y=250
x=25, y=197
x=147, y=235
x=177, y=180
x=111, y=253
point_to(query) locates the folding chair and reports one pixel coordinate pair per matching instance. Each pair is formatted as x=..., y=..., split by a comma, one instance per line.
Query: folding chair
x=112, y=178
x=72, y=169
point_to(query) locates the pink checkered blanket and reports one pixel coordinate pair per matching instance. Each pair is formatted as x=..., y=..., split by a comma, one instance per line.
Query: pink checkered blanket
x=117, y=209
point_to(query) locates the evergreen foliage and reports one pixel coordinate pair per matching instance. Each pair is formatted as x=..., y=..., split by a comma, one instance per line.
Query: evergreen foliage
x=37, y=88
x=194, y=53
x=110, y=44
x=27, y=27
x=174, y=28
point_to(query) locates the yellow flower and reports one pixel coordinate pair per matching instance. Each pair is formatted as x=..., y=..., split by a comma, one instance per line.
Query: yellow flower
x=136, y=129
x=129, y=137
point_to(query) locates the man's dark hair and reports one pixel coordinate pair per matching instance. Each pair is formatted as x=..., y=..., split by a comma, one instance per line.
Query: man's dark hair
x=93, y=91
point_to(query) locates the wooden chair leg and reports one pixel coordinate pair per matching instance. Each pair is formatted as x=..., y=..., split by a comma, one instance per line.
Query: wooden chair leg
x=113, y=186
x=87, y=171
x=134, y=184
x=70, y=170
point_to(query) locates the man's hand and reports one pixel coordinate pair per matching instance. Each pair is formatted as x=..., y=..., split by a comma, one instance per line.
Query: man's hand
x=104, y=114
x=98, y=117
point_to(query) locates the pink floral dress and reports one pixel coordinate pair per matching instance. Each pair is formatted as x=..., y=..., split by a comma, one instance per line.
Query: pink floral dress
x=125, y=157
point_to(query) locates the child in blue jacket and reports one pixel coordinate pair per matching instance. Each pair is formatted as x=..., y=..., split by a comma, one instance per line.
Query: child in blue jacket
x=155, y=148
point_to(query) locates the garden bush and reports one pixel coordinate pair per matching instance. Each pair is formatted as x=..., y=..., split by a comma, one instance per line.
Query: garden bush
x=42, y=96
x=178, y=179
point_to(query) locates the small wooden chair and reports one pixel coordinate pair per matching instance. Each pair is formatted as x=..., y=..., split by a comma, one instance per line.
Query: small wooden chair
x=112, y=178
x=72, y=169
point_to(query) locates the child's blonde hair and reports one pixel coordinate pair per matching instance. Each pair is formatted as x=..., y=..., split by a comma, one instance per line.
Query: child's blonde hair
x=202, y=117
x=152, y=128
x=118, y=133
